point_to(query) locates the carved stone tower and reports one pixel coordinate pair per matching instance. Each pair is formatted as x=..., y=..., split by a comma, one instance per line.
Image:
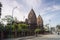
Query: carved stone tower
x=32, y=20
x=40, y=23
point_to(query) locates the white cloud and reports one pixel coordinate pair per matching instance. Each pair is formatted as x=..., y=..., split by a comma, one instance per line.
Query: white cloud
x=46, y=15
x=43, y=11
x=32, y=3
x=53, y=8
x=22, y=10
x=56, y=7
x=8, y=6
x=49, y=17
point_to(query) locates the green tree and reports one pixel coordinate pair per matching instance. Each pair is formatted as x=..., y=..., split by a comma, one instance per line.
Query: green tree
x=23, y=28
x=58, y=28
x=47, y=27
x=15, y=28
x=8, y=29
x=1, y=30
x=8, y=19
x=37, y=30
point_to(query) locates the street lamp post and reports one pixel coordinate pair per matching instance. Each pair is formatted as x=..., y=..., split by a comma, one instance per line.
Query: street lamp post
x=12, y=19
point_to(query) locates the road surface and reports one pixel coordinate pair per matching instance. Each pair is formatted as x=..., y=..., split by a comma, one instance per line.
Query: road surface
x=40, y=37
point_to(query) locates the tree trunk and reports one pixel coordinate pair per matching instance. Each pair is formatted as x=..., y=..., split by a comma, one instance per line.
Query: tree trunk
x=15, y=33
x=2, y=35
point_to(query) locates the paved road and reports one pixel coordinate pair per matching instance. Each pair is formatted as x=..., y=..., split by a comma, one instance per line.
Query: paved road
x=45, y=39
x=40, y=37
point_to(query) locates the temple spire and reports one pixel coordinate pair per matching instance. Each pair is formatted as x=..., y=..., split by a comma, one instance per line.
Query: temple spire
x=40, y=21
x=32, y=17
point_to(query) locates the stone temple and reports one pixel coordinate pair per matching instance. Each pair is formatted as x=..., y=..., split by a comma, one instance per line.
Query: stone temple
x=33, y=21
x=40, y=22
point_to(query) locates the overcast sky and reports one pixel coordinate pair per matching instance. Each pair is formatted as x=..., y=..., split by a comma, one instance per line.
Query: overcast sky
x=48, y=9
